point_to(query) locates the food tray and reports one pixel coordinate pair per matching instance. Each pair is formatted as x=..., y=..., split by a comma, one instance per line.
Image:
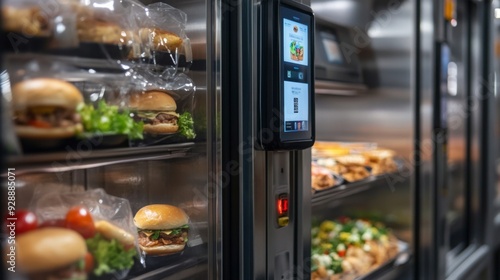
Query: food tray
x=105, y=140
x=13, y=42
x=401, y=258
x=161, y=266
x=32, y=145
x=160, y=58
x=94, y=51
x=158, y=139
x=337, y=178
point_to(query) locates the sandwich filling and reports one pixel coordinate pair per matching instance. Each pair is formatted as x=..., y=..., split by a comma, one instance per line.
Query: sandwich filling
x=162, y=237
x=155, y=118
x=47, y=117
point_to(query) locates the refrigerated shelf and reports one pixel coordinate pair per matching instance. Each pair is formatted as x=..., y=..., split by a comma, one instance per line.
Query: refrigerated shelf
x=348, y=189
x=76, y=160
x=169, y=266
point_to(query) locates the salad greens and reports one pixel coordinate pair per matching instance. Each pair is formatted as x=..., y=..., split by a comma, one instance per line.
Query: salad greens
x=332, y=239
x=109, y=256
x=109, y=119
x=186, y=124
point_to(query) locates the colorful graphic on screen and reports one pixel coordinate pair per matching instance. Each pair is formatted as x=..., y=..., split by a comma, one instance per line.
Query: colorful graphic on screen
x=295, y=42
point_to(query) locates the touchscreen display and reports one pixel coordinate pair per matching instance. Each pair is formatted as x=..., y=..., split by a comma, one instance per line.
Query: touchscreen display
x=295, y=70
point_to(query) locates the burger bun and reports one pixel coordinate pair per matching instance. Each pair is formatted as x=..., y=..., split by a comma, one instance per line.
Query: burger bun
x=25, y=131
x=161, y=40
x=160, y=216
x=48, y=249
x=163, y=250
x=153, y=100
x=45, y=92
x=162, y=128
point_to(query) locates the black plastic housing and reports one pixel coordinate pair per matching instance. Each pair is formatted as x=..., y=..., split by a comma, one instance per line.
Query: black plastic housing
x=270, y=130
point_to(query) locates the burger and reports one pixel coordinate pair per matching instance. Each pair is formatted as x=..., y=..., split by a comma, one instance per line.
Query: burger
x=45, y=108
x=162, y=228
x=157, y=110
x=51, y=253
x=28, y=21
x=95, y=31
x=160, y=40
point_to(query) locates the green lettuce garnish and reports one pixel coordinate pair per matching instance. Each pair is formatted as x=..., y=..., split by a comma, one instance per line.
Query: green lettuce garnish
x=109, y=119
x=155, y=235
x=186, y=124
x=109, y=256
x=156, y=232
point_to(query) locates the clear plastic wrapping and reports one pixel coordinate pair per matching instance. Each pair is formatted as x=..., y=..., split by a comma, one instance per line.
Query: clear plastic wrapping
x=103, y=29
x=114, y=29
x=28, y=18
x=27, y=25
x=156, y=130
x=110, y=50
x=161, y=30
x=54, y=204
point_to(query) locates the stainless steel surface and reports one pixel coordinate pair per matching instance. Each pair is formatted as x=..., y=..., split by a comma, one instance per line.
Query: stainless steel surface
x=383, y=112
x=381, y=115
x=304, y=214
x=496, y=65
x=345, y=12
x=426, y=262
x=456, y=236
x=280, y=251
x=335, y=88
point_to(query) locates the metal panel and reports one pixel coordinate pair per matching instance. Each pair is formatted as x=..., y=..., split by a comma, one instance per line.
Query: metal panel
x=424, y=144
x=496, y=112
x=384, y=37
x=242, y=238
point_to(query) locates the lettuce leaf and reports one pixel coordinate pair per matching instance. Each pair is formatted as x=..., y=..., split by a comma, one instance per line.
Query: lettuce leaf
x=186, y=124
x=109, y=256
x=155, y=234
x=108, y=119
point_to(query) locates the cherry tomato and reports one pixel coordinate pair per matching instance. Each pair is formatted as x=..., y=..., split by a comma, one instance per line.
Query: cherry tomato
x=53, y=223
x=25, y=221
x=79, y=219
x=341, y=253
x=89, y=262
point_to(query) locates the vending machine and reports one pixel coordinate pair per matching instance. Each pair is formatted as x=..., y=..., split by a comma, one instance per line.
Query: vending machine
x=137, y=145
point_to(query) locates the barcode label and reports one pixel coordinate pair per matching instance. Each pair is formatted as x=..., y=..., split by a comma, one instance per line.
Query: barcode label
x=295, y=105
